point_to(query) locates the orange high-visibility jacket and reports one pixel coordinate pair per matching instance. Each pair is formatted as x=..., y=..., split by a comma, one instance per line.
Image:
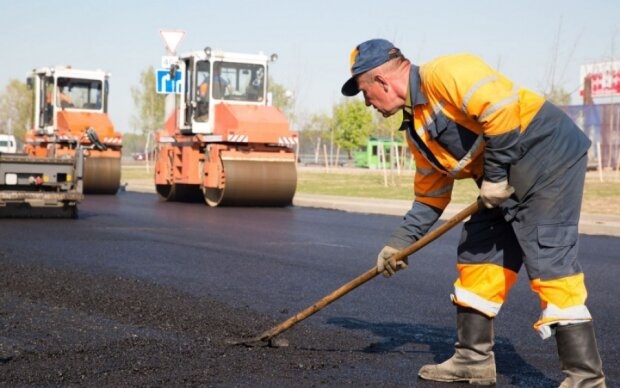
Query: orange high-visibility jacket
x=466, y=122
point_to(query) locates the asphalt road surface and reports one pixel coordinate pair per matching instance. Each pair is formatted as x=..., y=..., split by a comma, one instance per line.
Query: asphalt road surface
x=142, y=292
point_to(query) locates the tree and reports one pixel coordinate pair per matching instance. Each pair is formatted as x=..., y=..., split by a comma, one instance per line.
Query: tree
x=388, y=127
x=16, y=108
x=150, y=106
x=133, y=142
x=558, y=96
x=313, y=134
x=282, y=99
x=552, y=91
x=353, y=124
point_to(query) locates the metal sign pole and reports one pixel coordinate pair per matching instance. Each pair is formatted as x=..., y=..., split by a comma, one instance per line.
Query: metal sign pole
x=172, y=38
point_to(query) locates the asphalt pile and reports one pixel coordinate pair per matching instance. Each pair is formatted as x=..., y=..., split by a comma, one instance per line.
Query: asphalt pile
x=62, y=327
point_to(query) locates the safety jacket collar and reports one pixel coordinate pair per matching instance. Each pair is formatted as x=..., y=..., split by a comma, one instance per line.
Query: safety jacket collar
x=414, y=97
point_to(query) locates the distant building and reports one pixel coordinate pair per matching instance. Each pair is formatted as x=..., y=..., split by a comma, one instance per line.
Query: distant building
x=601, y=123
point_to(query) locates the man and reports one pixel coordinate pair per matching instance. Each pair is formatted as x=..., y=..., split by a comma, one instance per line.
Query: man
x=221, y=86
x=465, y=120
x=201, y=114
x=63, y=99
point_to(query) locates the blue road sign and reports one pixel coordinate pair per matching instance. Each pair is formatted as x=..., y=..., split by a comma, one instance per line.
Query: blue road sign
x=166, y=85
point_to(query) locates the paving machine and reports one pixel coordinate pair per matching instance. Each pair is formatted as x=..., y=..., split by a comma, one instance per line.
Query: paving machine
x=31, y=187
x=70, y=110
x=223, y=141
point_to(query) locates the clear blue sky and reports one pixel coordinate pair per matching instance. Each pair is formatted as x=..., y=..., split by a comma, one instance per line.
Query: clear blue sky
x=526, y=39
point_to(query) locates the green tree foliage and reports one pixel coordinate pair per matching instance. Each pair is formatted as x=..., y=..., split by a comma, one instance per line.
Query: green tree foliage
x=314, y=133
x=150, y=106
x=353, y=124
x=282, y=98
x=388, y=127
x=16, y=108
x=558, y=96
x=133, y=142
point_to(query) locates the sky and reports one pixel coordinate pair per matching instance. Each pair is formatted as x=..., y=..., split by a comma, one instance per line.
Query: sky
x=535, y=43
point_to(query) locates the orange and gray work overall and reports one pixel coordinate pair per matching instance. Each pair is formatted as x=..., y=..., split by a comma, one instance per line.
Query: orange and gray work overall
x=465, y=120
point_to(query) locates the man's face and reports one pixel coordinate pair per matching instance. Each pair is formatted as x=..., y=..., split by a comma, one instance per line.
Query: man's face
x=378, y=93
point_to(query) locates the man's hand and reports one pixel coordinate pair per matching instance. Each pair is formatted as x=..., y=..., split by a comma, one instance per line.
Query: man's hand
x=386, y=264
x=494, y=193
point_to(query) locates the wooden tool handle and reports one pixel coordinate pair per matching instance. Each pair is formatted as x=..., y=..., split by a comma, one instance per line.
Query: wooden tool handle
x=371, y=273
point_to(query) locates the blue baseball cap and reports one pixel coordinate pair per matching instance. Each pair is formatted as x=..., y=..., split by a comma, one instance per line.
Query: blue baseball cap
x=367, y=56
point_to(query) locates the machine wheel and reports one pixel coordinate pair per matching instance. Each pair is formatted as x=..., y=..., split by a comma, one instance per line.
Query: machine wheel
x=187, y=193
x=213, y=197
x=102, y=175
x=179, y=192
x=72, y=212
x=164, y=191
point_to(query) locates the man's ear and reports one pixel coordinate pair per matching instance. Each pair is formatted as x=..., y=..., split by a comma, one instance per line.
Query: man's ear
x=381, y=80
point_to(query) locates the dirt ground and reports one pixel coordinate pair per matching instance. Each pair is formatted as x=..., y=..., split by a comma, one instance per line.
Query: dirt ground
x=65, y=328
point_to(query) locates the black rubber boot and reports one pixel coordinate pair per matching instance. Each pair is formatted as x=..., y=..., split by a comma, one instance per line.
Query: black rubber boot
x=473, y=360
x=579, y=356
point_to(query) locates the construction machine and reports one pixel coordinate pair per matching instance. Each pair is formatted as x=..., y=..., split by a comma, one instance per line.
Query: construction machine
x=70, y=104
x=32, y=187
x=223, y=141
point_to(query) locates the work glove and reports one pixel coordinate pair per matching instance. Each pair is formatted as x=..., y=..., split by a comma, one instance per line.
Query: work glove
x=494, y=193
x=386, y=264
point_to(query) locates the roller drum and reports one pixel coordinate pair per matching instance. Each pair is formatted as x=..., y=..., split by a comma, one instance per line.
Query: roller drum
x=102, y=175
x=255, y=183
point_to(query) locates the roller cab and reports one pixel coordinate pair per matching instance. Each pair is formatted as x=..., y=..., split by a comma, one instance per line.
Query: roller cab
x=223, y=142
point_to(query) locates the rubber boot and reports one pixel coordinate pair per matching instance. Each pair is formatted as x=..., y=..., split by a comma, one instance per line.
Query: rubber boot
x=579, y=356
x=473, y=360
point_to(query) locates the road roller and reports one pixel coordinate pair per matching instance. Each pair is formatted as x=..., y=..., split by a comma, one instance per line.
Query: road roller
x=71, y=113
x=223, y=142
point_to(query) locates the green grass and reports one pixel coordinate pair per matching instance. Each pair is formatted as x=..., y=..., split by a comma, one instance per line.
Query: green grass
x=599, y=197
x=373, y=184
x=130, y=172
x=602, y=197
